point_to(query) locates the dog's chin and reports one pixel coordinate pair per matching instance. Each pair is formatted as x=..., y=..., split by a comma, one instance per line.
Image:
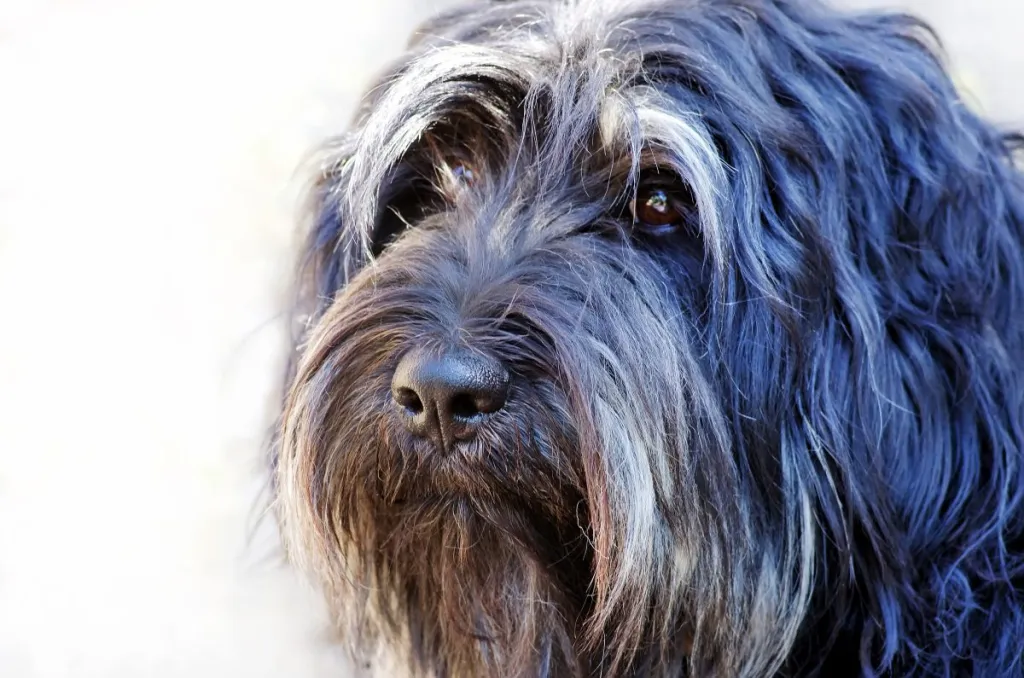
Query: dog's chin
x=448, y=502
x=493, y=576
x=464, y=497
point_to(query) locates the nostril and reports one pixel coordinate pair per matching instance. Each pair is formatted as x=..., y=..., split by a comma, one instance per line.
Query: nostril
x=407, y=398
x=464, y=406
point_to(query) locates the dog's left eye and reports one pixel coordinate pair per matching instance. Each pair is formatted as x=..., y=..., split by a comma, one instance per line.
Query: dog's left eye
x=660, y=208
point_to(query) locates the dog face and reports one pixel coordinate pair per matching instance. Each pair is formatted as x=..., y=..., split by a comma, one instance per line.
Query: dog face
x=659, y=336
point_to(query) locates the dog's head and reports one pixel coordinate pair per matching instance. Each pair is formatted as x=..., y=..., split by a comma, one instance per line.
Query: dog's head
x=617, y=311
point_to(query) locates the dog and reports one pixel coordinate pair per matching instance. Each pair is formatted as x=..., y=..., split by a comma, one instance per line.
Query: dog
x=664, y=338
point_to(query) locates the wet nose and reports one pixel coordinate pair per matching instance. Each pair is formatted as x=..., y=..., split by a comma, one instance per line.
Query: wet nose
x=447, y=396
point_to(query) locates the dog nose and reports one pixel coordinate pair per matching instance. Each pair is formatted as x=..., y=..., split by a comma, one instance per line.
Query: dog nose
x=445, y=397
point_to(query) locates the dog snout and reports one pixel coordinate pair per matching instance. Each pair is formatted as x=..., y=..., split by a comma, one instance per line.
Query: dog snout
x=447, y=396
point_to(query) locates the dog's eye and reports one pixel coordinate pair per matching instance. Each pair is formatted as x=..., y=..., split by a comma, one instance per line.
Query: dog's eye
x=654, y=208
x=660, y=208
x=456, y=175
x=459, y=173
x=463, y=173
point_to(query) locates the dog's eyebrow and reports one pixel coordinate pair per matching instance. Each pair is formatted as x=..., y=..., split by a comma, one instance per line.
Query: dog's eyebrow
x=440, y=86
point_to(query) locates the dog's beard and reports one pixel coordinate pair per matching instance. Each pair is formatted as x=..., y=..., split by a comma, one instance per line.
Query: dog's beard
x=488, y=557
x=489, y=587
x=480, y=551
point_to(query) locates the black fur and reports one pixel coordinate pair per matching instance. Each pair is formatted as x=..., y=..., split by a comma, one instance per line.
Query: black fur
x=782, y=437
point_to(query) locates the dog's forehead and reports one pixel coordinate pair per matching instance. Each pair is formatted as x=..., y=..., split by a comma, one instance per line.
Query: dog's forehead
x=577, y=77
x=492, y=63
x=493, y=56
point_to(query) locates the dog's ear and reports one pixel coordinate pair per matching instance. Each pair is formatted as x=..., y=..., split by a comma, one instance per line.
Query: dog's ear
x=956, y=211
x=876, y=253
x=893, y=218
x=895, y=168
x=875, y=168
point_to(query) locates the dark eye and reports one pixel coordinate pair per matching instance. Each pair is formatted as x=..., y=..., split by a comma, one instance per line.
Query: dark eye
x=660, y=207
x=463, y=173
x=456, y=174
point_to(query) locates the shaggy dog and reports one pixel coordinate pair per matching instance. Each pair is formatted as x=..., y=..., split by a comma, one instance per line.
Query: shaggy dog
x=663, y=338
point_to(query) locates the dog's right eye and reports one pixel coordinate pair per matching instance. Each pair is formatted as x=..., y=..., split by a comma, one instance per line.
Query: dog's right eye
x=457, y=174
x=463, y=173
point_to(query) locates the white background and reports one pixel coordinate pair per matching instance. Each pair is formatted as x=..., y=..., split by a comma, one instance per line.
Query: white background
x=147, y=152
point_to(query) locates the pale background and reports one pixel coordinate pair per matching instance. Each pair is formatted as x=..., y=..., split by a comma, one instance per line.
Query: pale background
x=147, y=151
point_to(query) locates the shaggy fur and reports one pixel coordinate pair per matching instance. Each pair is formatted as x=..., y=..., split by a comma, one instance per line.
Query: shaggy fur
x=783, y=438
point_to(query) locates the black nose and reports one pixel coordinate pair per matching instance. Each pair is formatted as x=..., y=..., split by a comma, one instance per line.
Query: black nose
x=446, y=396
